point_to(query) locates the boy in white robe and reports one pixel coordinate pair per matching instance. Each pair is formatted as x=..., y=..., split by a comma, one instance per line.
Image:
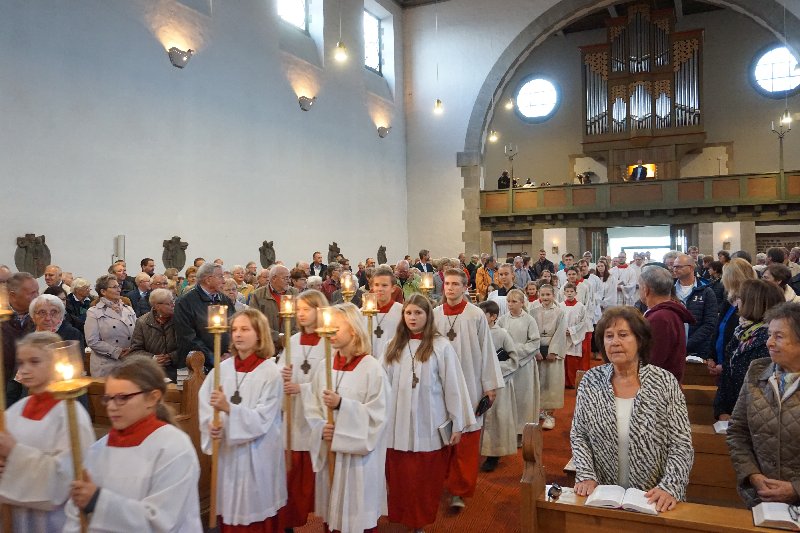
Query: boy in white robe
x=390, y=313
x=357, y=496
x=550, y=319
x=251, y=486
x=577, y=325
x=499, y=435
x=35, y=447
x=465, y=326
x=525, y=333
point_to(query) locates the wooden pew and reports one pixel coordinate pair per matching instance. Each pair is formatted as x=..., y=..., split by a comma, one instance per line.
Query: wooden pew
x=183, y=404
x=697, y=374
x=700, y=403
x=712, y=479
x=568, y=514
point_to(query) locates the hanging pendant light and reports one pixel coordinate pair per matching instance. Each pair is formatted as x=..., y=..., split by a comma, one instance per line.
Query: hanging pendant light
x=438, y=107
x=340, y=54
x=493, y=136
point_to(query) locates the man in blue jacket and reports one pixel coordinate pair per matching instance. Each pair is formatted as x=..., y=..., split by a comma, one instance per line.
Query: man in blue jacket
x=700, y=300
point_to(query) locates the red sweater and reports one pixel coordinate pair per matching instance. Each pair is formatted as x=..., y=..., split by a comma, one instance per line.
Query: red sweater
x=668, y=347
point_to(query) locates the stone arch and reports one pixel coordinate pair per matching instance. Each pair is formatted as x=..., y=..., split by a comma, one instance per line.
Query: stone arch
x=767, y=13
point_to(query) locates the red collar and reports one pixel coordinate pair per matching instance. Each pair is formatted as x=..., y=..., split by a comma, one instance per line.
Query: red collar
x=580, y=280
x=340, y=362
x=39, y=405
x=623, y=265
x=416, y=336
x=532, y=298
x=386, y=308
x=570, y=304
x=276, y=296
x=135, y=434
x=450, y=310
x=248, y=364
x=309, y=339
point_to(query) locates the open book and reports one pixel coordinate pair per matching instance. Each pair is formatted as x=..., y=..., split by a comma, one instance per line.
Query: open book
x=616, y=497
x=777, y=515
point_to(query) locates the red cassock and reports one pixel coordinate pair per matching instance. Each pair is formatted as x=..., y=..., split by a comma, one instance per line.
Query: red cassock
x=300, y=485
x=415, y=482
x=462, y=476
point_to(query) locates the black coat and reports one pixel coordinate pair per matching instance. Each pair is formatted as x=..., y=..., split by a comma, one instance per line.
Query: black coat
x=69, y=333
x=140, y=304
x=538, y=267
x=190, y=322
x=702, y=303
x=76, y=311
x=12, y=332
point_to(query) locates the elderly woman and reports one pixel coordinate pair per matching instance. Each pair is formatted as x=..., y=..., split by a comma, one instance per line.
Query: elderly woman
x=109, y=327
x=48, y=315
x=154, y=335
x=298, y=279
x=78, y=303
x=779, y=275
x=749, y=341
x=231, y=290
x=631, y=427
x=314, y=282
x=764, y=431
x=188, y=283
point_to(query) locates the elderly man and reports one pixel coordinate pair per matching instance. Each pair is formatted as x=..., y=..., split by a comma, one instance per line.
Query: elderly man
x=521, y=274
x=667, y=320
x=331, y=283
x=148, y=266
x=402, y=272
x=5, y=273
x=262, y=279
x=22, y=290
x=304, y=266
x=317, y=267
x=701, y=302
x=119, y=271
x=191, y=314
x=268, y=300
x=53, y=278
x=139, y=296
x=78, y=303
x=154, y=334
x=251, y=268
x=158, y=281
x=245, y=289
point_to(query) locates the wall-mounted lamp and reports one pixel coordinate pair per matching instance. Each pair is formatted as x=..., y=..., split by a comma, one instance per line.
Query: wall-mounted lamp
x=510, y=104
x=493, y=136
x=340, y=54
x=306, y=103
x=178, y=57
x=383, y=131
x=438, y=107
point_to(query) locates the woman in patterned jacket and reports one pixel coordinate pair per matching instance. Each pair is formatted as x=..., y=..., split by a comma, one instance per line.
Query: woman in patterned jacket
x=631, y=427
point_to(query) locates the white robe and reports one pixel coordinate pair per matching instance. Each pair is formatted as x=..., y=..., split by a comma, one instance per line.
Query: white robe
x=476, y=353
x=500, y=301
x=552, y=328
x=626, y=280
x=415, y=413
x=357, y=497
x=301, y=431
x=149, y=487
x=38, y=471
x=605, y=296
x=499, y=435
x=578, y=324
x=252, y=473
x=525, y=334
x=388, y=323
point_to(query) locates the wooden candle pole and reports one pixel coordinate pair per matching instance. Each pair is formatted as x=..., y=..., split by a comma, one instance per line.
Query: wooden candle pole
x=287, y=399
x=77, y=455
x=212, y=513
x=5, y=510
x=329, y=386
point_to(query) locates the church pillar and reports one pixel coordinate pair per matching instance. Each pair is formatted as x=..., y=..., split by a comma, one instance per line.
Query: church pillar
x=747, y=234
x=573, y=243
x=475, y=240
x=705, y=240
x=537, y=242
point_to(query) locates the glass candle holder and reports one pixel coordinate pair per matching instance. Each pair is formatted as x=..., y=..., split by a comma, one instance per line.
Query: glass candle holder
x=288, y=305
x=325, y=322
x=217, y=316
x=67, y=362
x=369, y=303
x=427, y=281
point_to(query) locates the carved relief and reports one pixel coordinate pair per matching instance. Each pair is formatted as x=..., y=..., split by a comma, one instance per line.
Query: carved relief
x=267, y=254
x=32, y=254
x=174, y=254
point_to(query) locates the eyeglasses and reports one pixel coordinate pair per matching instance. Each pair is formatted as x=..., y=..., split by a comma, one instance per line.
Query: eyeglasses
x=170, y=303
x=41, y=313
x=120, y=399
x=680, y=266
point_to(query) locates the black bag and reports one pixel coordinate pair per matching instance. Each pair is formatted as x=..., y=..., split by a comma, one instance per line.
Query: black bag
x=502, y=355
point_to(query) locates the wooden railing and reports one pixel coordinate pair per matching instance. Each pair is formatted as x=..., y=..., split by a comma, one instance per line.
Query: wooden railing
x=704, y=192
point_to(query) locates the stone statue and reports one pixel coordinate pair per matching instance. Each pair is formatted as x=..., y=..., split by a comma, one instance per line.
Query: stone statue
x=32, y=254
x=382, y=255
x=333, y=251
x=267, y=254
x=174, y=255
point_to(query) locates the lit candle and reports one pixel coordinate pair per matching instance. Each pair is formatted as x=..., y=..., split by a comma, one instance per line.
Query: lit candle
x=326, y=318
x=370, y=305
x=217, y=320
x=347, y=282
x=66, y=370
x=3, y=297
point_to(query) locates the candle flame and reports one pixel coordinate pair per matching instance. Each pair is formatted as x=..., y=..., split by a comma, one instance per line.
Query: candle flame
x=326, y=318
x=217, y=320
x=66, y=370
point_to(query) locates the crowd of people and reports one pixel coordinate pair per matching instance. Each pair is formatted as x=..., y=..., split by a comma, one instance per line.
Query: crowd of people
x=447, y=375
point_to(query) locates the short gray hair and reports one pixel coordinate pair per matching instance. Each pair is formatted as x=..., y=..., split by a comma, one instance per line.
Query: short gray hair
x=313, y=282
x=15, y=281
x=237, y=267
x=206, y=270
x=672, y=254
x=79, y=283
x=141, y=275
x=158, y=296
x=657, y=279
x=47, y=299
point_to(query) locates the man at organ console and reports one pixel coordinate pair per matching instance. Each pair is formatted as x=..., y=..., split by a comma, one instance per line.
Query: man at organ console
x=639, y=172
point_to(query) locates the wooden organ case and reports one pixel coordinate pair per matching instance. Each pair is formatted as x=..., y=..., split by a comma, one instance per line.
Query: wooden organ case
x=643, y=93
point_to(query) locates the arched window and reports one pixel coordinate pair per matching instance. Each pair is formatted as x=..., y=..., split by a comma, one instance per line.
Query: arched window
x=537, y=99
x=775, y=72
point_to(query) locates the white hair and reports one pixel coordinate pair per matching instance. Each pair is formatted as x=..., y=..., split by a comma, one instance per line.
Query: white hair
x=47, y=299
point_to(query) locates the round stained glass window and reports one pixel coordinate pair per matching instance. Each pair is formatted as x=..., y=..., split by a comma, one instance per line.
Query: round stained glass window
x=775, y=72
x=537, y=99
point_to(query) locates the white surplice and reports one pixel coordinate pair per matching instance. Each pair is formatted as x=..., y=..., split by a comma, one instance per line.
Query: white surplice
x=388, y=323
x=357, y=497
x=252, y=471
x=415, y=413
x=578, y=323
x=525, y=333
x=552, y=329
x=627, y=279
x=605, y=295
x=499, y=435
x=149, y=487
x=501, y=302
x=476, y=352
x=315, y=355
x=38, y=471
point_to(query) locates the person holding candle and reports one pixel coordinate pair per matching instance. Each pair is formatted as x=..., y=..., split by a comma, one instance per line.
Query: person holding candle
x=35, y=450
x=252, y=474
x=143, y=475
x=356, y=496
x=390, y=313
x=109, y=327
x=308, y=354
x=427, y=390
x=465, y=326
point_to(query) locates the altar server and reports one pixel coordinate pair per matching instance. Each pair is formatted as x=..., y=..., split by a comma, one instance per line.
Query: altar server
x=578, y=324
x=143, y=475
x=524, y=332
x=550, y=318
x=499, y=435
x=308, y=354
x=466, y=328
x=626, y=279
x=35, y=448
x=428, y=391
x=251, y=485
x=390, y=313
x=359, y=398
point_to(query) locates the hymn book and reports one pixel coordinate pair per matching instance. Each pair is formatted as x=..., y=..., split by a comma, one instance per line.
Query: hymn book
x=616, y=497
x=777, y=515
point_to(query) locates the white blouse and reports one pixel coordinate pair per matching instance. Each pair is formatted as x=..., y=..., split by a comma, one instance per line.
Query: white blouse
x=624, y=409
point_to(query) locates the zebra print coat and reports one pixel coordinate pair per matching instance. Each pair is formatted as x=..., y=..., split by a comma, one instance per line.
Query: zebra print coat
x=661, y=453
